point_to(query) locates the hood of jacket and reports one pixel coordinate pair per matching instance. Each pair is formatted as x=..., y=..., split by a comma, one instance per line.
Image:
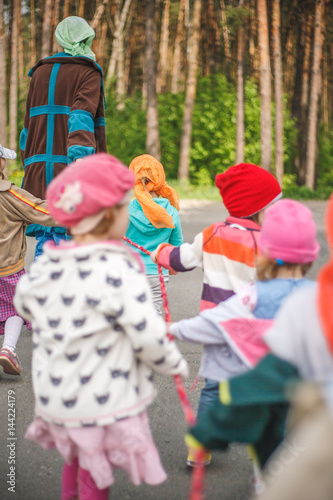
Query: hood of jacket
x=64, y=58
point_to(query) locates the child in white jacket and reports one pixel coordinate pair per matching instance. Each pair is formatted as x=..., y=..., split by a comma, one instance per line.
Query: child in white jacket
x=97, y=337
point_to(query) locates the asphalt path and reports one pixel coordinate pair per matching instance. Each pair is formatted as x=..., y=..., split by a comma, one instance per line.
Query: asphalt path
x=229, y=477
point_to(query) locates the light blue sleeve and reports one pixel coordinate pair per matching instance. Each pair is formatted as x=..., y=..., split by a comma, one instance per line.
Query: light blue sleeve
x=205, y=328
x=176, y=238
x=202, y=329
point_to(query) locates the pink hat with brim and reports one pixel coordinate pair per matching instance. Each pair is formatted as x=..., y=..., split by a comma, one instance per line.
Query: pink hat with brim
x=288, y=233
x=78, y=197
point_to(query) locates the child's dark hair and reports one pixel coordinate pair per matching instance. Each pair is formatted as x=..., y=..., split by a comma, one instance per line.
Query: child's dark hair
x=267, y=269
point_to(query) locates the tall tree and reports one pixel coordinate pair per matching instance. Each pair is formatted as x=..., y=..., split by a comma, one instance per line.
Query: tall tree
x=46, y=31
x=226, y=42
x=278, y=90
x=153, y=138
x=100, y=8
x=265, y=86
x=33, y=50
x=55, y=22
x=191, y=86
x=3, y=104
x=13, y=80
x=252, y=40
x=302, y=122
x=319, y=28
x=117, y=26
x=240, y=134
x=164, y=42
x=20, y=45
x=67, y=8
x=176, y=64
x=81, y=8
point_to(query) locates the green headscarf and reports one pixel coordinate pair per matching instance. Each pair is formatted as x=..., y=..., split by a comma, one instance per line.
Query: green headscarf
x=70, y=34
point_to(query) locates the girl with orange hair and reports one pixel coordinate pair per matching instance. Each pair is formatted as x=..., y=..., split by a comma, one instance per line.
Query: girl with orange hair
x=153, y=216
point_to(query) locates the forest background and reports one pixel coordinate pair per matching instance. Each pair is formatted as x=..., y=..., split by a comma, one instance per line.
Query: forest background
x=200, y=84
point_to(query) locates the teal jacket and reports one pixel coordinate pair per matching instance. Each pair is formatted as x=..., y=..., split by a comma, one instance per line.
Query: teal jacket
x=141, y=231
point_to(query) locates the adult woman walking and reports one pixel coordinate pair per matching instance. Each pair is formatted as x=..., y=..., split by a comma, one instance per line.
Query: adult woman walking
x=64, y=118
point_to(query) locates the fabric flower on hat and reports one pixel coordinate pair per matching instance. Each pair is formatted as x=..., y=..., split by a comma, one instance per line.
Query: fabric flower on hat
x=70, y=197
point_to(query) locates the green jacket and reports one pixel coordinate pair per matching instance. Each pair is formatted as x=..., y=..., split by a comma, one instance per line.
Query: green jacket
x=251, y=409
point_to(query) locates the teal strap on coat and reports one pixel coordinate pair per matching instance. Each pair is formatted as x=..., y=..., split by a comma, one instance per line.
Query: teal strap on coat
x=80, y=119
x=46, y=158
x=23, y=138
x=49, y=110
x=75, y=152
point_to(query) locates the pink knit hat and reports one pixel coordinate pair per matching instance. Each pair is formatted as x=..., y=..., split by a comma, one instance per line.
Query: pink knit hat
x=288, y=233
x=246, y=189
x=78, y=197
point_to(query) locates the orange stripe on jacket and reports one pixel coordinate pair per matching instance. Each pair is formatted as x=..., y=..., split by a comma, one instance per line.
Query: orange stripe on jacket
x=4, y=271
x=238, y=252
x=28, y=202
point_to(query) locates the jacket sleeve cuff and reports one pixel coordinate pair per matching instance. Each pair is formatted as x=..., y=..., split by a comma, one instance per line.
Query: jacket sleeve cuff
x=163, y=255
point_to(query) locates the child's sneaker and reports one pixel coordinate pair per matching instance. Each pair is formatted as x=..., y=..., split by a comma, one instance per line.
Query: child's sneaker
x=9, y=361
x=192, y=462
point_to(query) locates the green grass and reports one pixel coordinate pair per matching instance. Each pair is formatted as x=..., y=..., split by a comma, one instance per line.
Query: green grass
x=187, y=191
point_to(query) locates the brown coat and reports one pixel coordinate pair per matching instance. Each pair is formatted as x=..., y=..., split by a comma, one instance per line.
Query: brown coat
x=17, y=209
x=64, y=118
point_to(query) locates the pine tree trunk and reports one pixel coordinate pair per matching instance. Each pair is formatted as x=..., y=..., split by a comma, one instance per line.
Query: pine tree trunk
x=240, y=137
x=214, y=38
x=81, y=8
x=102, y=43
x=265, y=86
x=315, y=89
x=225, y=31
x=98, y=13
x=55, y=22
x=176, y=65
x=191, y=85
x=20, y=46
x=289, y=50
x=120, y=90
x=300, y=160
x=13, y=91
x=120, y=19
x=67, y=8
x=252, y=41
x=278, y=90
x=325, y=93
x=129, y=76
x=33, y=59
x=152, y=139
x=3, y=104
x=46, y=32
x=163, y=61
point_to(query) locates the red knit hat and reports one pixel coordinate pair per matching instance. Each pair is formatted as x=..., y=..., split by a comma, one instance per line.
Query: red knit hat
x=246, y=189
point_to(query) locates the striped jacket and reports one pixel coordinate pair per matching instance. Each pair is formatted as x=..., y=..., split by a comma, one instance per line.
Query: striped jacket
x=64, y=118
x=226, y=253
x=17, y=209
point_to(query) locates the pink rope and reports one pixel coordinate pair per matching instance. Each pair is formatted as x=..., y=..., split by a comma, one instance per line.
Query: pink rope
x=196, y=492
